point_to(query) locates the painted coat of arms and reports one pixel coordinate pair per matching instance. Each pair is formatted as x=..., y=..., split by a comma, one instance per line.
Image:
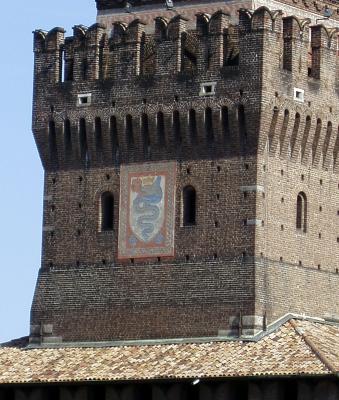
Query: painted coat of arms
x=147, y=210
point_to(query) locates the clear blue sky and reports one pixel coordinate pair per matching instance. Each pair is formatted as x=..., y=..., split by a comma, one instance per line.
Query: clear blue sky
x=21, y=174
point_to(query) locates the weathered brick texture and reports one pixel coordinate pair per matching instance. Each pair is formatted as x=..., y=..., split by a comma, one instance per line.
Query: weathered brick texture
x=272, y=133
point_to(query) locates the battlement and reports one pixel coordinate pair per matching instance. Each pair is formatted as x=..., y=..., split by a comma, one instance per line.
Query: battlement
x=217, y=136
x=92, y=54
x=142, y=90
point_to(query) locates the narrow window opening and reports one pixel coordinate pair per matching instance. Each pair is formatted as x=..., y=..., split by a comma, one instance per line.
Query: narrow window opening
x=305, y=136
x=61, y=65
x=202, y=25
x=295, y=131
x=327, y=140
x=176, y=126
x=316, y=139
x=83, y=141
x=284, y=129
x=145, y=135
x=287, y=46
x=209, y=124
x=336, y=150
x=225, y=123
x=301, y=220
x=273, y=125
x=102, y=71
x=242, y=124
x=84, y=69
x=107, y=211
x=69, y=69
x=162, y=29
x=98, y=134
x=189, y=206
x=129, y=130
x=316, y=57
x=161, y=128
x=114, y=138
x=192, y=124
x=52, y=142
x=67, y=137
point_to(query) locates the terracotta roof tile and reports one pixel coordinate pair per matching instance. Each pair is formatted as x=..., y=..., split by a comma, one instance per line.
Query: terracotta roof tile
x=295, y=348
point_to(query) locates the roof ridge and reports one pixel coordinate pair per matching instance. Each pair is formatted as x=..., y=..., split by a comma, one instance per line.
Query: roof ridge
x=309, y=342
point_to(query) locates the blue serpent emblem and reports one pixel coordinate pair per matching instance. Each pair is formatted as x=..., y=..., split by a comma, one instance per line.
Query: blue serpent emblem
x=145, y=206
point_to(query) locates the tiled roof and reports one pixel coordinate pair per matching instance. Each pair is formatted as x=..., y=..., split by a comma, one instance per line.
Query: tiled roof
x=298, y=347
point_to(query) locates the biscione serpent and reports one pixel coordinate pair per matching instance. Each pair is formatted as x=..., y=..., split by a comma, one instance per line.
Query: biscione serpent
x=145, y=205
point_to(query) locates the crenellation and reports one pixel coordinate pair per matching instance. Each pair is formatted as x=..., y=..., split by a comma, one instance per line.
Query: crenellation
x=234, y=101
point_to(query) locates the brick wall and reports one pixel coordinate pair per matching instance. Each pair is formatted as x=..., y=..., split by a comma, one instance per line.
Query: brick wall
x=247, y=174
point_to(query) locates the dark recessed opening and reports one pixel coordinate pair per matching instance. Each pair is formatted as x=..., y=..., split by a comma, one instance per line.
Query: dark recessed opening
x=83, y=100
x=107, y=211
x=189, y=206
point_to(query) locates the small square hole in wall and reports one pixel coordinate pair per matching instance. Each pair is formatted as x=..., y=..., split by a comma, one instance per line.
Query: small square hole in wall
x=207, y=89
x=84, y=99
x=298, y=95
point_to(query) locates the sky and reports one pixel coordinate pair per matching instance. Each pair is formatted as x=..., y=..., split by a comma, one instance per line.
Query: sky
x=21, y=173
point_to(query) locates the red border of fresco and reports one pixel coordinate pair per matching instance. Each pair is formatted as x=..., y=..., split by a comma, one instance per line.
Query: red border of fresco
x=147, y=250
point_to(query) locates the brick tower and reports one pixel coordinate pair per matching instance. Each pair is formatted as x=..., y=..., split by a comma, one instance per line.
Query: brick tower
x=191, y=157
